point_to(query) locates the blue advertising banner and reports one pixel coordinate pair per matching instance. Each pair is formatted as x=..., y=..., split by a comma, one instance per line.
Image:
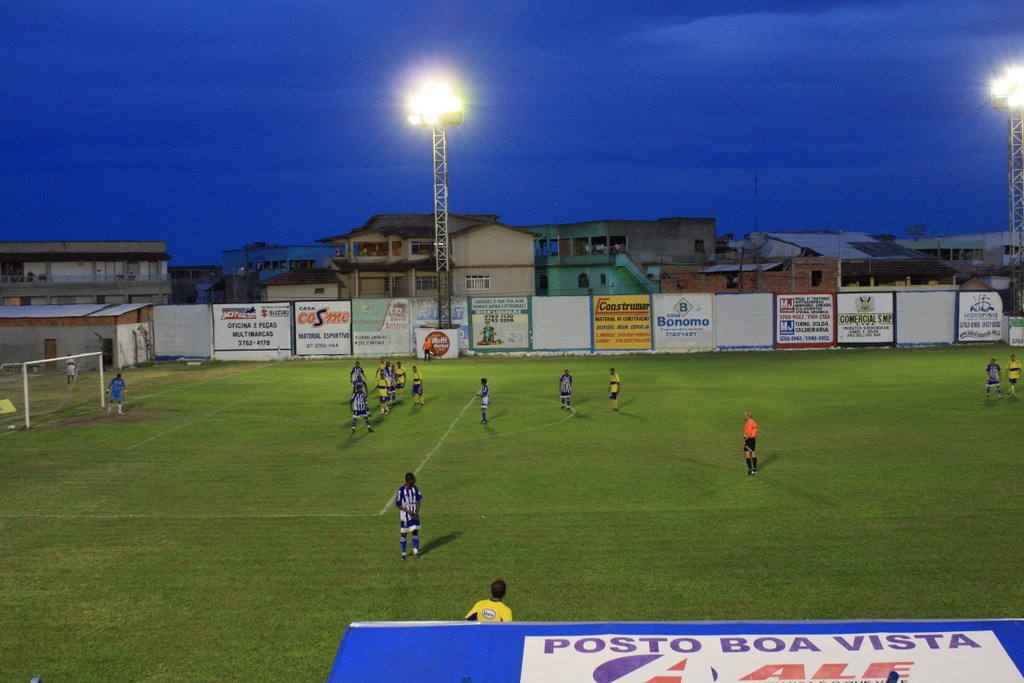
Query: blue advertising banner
x=695, y=652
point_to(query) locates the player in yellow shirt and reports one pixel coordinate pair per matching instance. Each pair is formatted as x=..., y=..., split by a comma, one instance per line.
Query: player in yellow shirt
x=493, y=609
x=417, y=387
x=613, y=388
x=1013, y=374
x=383, y=391
x=399, y=382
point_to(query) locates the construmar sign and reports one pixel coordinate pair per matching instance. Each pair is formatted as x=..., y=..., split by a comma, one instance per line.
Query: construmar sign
x=621, y=322
x=699, y=652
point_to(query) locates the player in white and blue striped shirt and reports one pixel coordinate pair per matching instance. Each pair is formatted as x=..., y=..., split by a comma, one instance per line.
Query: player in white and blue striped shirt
x=565, y=388
x=359, y=407
x=407, y=500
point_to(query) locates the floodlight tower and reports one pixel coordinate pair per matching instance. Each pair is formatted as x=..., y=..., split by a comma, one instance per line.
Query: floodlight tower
x=1008, y=94
x=437, y=107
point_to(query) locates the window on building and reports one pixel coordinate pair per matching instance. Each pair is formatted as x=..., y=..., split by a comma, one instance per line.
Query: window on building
x=698, y=246
x=617, y=244
x=603, y=279
x=421, y=248
x=396, y=248
x=583, y=280
x=371, y=249
x=318, y=290
x=478, y=282
x=732, y=281
x=426, y=283
x=815, y=278
x=542, y=282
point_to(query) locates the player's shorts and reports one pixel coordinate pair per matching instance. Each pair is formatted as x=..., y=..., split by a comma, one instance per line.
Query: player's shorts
x=382, y=396
x=566, y=394
x=1013, y=380
x=417, y=389
x=750, y=444
x=410, y=524
x=484, y=402
x=362, y=412
x=991, y=383
x=613, y=394
x=399, y=385
x=115, y=396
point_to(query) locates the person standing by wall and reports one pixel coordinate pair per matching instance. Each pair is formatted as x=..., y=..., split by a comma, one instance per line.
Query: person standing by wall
x=750, y=443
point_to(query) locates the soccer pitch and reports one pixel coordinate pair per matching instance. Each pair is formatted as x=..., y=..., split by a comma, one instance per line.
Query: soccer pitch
x=228, y=526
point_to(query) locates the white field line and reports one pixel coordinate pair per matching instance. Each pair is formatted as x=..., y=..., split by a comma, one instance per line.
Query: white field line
x=202, y=381
x=391, y=501
x=187, y=515
x=183, y=425
x=260, y=515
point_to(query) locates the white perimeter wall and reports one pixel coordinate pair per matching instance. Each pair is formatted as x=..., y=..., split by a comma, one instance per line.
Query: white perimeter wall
x=925, y=318
x=561, y=323
x=745, y=321
x=182, y=332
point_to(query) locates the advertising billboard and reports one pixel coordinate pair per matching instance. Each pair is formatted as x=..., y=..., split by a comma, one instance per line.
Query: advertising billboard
x=380, y=327
x=323, y=328
x=500, y=323
x=683, y=321
x=866, y=319
x=979, y=317
x=252, y=331
x=622, y=322
x=804, y=321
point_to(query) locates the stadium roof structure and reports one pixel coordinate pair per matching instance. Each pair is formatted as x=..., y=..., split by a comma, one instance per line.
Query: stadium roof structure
x=69, y=310
x=836, y=244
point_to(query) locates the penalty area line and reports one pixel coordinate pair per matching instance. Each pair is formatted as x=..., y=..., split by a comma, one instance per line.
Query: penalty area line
x=187, y=516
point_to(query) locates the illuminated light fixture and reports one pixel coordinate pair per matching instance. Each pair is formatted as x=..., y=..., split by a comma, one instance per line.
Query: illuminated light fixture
x=437, y=108
x=435, y=105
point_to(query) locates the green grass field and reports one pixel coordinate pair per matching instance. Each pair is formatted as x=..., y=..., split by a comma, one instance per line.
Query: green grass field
x=228, y=527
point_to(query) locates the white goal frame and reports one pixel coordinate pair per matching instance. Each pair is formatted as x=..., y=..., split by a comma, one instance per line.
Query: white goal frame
x=25, y=378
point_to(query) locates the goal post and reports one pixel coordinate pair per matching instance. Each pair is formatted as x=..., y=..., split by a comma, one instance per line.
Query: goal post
x=50, y=386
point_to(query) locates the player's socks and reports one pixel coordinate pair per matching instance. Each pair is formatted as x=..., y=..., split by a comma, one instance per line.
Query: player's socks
x=755, y=464
x=415, y=546
x=403, y=542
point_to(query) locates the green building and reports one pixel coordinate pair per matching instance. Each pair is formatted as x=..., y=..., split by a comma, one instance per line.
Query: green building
x=616, y=256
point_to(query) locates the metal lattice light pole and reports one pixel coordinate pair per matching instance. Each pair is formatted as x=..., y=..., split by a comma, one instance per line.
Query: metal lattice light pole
x=435, y=106
x=1008, y=94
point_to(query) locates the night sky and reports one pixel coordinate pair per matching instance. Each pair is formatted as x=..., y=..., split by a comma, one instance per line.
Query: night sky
x=210, y=124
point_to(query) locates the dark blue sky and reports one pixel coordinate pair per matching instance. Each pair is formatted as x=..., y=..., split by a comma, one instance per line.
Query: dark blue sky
x=213, y=124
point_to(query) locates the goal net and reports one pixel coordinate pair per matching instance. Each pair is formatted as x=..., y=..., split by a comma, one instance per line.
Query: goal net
x=39, y=390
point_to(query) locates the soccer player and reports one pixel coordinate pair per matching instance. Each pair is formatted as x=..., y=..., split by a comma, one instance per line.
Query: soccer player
x=493, y=609
x=359, y=407
x=117, y=390
x=417, y=387
x=382, y=394
x=992, y=380
x=750, y=443
x=389, y=374
x=1013, y=374
x=408, y=503
x=613, y=388
x=71, y=371
x=399, y=382
x=485, y=399
x=565, y=388
x=357, y=375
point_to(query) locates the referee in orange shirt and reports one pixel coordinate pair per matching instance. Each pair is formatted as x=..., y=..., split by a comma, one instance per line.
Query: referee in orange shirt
x=750, y=443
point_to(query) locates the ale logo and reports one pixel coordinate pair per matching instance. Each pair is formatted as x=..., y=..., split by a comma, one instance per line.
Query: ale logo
x=616, y=669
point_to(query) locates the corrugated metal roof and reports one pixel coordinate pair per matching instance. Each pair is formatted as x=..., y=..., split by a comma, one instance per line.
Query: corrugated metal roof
x=735, y=267
x=67, y=310
x=848, y=245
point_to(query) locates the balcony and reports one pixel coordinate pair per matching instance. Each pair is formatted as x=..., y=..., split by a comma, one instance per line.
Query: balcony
x=43, y=280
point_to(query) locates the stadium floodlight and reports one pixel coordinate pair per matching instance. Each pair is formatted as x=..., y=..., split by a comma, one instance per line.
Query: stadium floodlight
x=1008, y=94
x=437, y=107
